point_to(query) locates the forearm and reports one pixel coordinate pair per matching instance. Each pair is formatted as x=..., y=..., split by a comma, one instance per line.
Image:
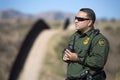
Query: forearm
x=95, y=61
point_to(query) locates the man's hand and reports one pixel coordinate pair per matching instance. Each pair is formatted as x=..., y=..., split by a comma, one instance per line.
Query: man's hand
x=70, y=56
x=65, y=57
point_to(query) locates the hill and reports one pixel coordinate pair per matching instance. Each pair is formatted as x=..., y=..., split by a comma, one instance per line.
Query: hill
x=10, y=13
x=48, y=15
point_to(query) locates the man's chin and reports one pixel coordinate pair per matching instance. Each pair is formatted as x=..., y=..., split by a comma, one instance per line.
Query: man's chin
x=77, y=28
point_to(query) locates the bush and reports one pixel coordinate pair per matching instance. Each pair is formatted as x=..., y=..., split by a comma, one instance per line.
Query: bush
x=108, y=28
x=118, y=29
x=117, y=76
x=54, y=67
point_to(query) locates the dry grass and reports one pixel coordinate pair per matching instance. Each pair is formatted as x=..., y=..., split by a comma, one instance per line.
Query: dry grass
x=54, y=65
x=12, y=33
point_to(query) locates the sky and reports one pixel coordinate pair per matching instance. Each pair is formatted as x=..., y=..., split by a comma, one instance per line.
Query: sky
x=103, y=8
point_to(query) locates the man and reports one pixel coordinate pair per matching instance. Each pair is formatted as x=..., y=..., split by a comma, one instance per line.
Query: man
x=87, y=50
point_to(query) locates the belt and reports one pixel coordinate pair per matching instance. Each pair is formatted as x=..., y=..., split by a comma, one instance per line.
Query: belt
x=74, y=79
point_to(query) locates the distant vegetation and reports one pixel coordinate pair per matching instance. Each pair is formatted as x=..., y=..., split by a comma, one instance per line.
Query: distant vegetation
x=53, y=67
x=54, y=61
x=13, y=32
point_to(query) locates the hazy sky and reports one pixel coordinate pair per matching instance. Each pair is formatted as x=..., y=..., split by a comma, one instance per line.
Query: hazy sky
x=103, y=8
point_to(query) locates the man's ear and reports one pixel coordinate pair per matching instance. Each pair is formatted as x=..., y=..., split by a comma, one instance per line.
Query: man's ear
x=90, y=23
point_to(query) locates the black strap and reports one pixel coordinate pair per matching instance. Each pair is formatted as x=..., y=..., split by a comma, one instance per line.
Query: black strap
x=95, y=32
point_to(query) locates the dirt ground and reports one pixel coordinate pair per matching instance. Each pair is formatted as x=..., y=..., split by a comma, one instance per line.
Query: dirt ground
x=36, y=56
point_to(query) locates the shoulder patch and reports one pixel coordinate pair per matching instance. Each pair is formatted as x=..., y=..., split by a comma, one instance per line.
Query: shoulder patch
x=102, y=42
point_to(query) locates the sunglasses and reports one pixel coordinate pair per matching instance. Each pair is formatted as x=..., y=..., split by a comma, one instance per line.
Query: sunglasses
x=81, y=19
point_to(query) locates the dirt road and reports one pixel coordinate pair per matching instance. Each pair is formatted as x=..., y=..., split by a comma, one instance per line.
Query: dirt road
x=33, y=64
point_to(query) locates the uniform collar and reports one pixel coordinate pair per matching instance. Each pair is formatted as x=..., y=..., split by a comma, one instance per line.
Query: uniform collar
x=87, y=33
x=90, y=31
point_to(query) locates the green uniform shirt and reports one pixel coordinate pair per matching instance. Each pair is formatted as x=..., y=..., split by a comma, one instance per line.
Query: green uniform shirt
x=96, y=58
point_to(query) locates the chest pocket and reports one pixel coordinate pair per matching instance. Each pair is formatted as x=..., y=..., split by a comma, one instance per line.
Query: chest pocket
x=79, y=50
x=82, y=51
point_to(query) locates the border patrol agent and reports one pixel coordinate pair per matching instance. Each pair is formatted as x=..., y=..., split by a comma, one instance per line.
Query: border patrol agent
x=87, y=50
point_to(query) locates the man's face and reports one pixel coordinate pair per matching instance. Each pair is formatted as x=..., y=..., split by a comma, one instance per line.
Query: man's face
x=82, y=22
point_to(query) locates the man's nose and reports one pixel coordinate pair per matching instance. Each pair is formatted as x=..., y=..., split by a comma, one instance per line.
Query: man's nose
x=76, y=20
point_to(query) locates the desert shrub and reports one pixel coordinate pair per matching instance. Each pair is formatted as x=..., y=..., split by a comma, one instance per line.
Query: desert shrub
x=61, y=45
x=117, y=76
x=118, y=48
x=104, y=20
x=57, y=25
x=118, y=29
x=61, y=42
x=54, y=67
x=113, y=20
x=10, y=43
x=108, y=28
